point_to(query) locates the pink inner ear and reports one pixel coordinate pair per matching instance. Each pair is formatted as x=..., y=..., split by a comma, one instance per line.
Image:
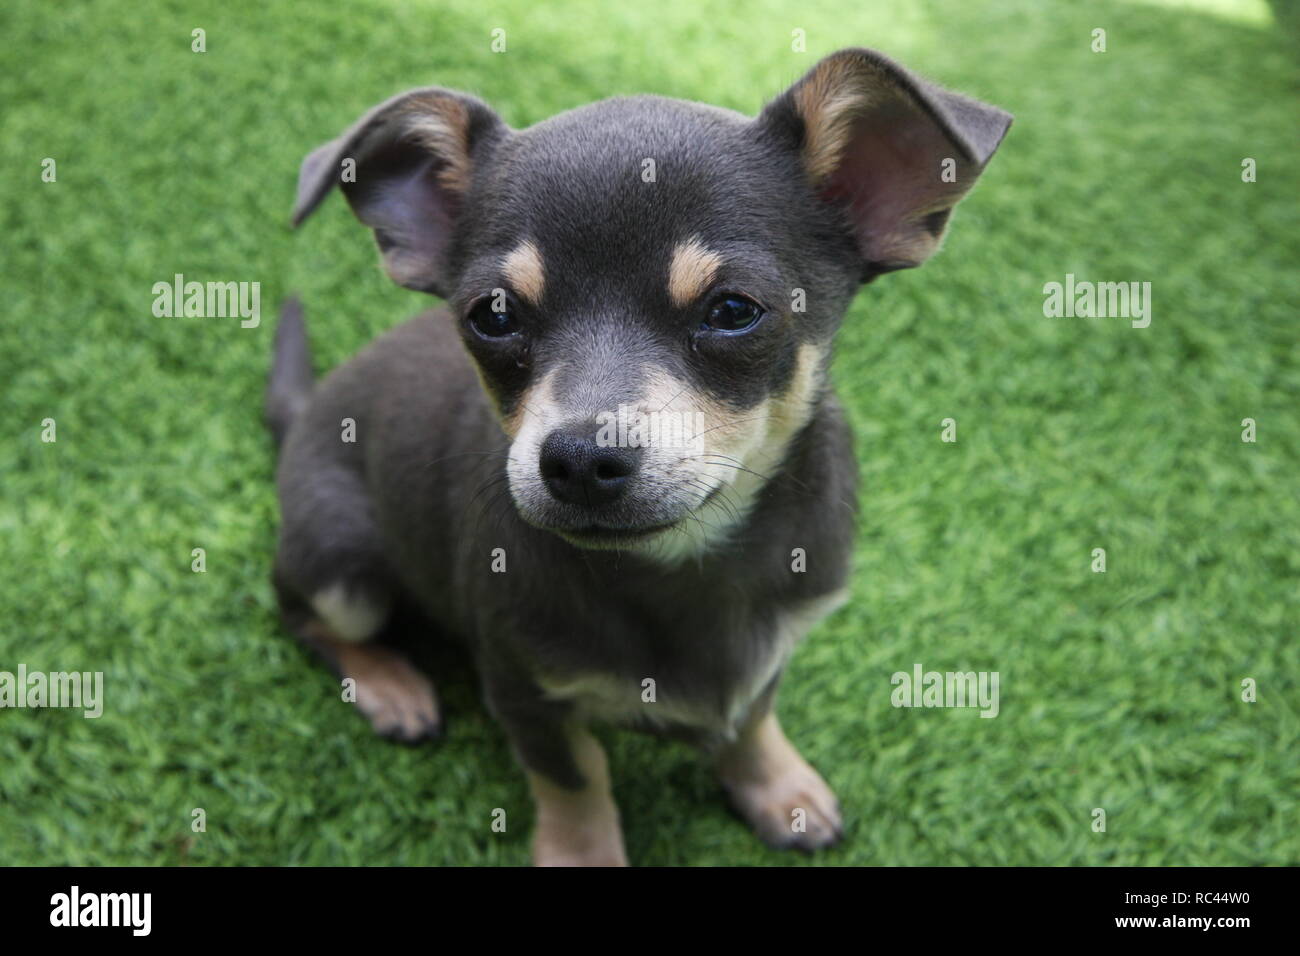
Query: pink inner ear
x=412, y=215
x=889, y=174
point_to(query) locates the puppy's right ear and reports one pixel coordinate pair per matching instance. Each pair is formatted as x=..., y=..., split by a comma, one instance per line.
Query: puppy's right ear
x=405, y=169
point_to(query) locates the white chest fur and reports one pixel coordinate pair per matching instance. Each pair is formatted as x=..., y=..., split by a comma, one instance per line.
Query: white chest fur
x=604, y=698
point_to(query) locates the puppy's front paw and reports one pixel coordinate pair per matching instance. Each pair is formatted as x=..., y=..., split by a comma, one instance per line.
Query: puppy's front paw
x=795, y=810
x=784, y=799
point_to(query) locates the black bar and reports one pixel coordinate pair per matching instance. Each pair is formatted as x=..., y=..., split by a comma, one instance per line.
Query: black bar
x=226, y=904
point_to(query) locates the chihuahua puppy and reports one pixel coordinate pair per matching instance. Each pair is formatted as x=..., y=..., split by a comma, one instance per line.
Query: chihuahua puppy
x=613, y=465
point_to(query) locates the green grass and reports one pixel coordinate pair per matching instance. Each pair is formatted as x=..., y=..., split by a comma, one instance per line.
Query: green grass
x=1119, y=690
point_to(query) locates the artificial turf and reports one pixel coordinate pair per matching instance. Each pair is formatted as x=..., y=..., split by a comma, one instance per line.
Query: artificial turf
x=1120, y=690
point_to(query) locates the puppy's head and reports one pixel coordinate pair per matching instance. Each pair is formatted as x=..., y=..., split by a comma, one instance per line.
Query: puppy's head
x=649, y=287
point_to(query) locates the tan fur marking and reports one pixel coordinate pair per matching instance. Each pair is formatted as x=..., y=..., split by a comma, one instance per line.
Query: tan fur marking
x=773, y=787
x=832, y=100
x=730, y=451
x=524, y=271
x=792, y=408
x=578, y=828
x=535, y=401
x=441, y=125
x=837, y=93
x=765, y=430
x=692, y=269
x=398, y=700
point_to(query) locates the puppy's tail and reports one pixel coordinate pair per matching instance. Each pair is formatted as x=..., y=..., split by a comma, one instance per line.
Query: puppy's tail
x=289, y=387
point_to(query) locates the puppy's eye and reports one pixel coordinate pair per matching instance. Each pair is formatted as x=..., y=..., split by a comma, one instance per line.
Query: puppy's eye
x=493, y=323
x=732, y=313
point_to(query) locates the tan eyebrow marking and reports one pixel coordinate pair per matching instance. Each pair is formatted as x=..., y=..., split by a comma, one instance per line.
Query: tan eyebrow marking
x=692, y=268
x=524, y=271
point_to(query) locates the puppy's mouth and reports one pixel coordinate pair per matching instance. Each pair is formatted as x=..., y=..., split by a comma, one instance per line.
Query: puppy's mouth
x=597, y=536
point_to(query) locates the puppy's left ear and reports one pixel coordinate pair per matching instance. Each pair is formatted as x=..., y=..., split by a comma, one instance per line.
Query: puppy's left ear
x=893, y=151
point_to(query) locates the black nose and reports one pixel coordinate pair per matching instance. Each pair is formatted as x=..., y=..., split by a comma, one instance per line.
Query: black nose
x=579, y=471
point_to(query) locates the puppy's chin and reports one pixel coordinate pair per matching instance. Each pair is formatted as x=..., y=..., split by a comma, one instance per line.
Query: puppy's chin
x=610, y=539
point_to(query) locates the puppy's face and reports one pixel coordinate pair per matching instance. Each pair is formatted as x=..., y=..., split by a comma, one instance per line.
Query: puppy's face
x=651, y=309
x=648, y=287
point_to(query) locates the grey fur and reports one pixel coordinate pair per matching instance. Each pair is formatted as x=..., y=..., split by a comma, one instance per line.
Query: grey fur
x=290, y=384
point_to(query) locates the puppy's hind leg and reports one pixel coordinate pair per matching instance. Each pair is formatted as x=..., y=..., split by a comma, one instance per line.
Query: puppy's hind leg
x=334, y=586
x=338, y=606
x=397, y=699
